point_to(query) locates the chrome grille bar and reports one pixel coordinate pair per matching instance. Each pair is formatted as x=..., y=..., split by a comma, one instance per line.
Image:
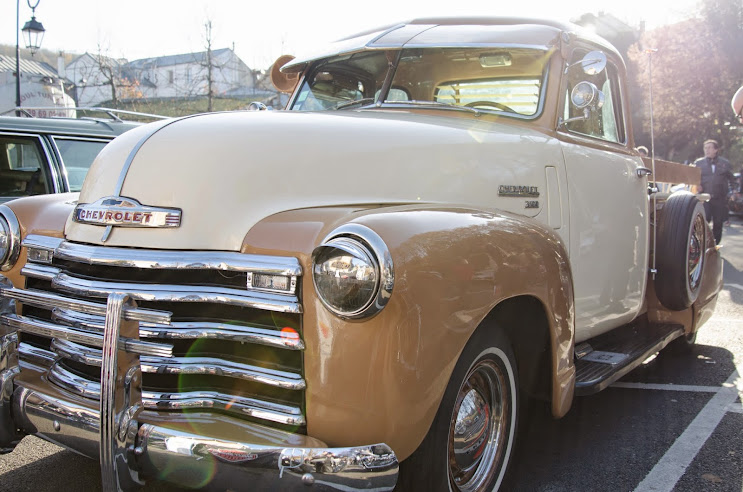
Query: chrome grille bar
x=185, y=330
x=187, y=365
x=283, y=414
x=163, y=292
x=41, y=299
x=177, y=260
x=51, y=330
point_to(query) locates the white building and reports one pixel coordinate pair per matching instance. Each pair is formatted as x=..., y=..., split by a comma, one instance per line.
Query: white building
x=181, y=76
x=92, y=77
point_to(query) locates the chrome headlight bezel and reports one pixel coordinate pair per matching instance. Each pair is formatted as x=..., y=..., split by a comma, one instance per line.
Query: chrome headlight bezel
x=10, y=238
x=360, y=242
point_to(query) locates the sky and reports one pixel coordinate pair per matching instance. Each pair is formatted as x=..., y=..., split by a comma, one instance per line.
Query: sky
x=261, y=32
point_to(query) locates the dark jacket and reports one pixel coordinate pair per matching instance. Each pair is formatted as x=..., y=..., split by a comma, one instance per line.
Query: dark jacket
x=717, y=184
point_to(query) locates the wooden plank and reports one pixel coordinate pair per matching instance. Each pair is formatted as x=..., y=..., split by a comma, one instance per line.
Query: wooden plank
x=672, y=172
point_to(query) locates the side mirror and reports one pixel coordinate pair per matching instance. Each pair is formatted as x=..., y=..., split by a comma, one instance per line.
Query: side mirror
x=593, y=63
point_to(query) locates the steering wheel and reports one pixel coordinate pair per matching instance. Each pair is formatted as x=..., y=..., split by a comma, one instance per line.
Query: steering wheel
x=490, y=104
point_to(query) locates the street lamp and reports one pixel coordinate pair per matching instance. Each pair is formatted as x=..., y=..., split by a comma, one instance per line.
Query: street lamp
x=33, y=34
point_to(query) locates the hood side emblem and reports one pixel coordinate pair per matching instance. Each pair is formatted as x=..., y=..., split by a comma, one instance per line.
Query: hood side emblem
x=116, y=211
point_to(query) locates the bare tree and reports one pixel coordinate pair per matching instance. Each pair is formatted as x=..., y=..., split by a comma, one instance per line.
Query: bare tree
x=208, y=65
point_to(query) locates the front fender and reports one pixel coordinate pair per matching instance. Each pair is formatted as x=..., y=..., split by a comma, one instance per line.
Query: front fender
x=42, y=214
x=382, y=379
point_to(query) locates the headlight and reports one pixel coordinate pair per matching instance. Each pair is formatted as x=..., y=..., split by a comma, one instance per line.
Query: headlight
x=10, y=238
x=352, y=272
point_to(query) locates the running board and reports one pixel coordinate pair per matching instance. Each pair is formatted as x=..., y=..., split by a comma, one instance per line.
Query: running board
x=604, y=359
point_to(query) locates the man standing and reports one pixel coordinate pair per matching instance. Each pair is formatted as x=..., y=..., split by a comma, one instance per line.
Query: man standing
x=716, y=179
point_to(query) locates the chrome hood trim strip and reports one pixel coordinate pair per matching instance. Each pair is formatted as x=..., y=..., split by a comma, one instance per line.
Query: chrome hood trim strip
x=176, y=260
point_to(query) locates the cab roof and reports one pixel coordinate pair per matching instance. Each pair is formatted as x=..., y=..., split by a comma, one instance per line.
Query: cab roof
x=451, y=32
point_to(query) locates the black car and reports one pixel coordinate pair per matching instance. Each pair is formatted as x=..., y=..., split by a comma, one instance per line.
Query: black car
x=51, y=155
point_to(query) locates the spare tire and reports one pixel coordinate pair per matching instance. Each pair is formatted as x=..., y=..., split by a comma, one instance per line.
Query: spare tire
x=682, y=234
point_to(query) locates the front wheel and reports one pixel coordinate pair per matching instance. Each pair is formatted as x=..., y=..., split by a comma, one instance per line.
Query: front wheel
x=471, y=439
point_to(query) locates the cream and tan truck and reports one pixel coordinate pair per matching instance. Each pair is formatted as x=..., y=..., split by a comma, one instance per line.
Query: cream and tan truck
x=363, y=291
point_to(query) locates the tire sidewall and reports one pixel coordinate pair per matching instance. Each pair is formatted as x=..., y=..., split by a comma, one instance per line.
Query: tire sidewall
x=672, y=284
x=508, y=366
x=428, y=467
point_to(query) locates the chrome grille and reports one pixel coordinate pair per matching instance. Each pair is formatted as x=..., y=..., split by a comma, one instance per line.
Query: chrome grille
x=207, y=340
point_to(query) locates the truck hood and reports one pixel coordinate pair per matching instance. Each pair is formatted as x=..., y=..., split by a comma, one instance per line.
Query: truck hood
x=227, y=171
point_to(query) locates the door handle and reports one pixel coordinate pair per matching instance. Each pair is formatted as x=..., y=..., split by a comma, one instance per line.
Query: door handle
x=643, y=171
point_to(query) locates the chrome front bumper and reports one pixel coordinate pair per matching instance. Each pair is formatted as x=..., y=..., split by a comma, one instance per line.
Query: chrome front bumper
x=134, y=443
x=174, y=452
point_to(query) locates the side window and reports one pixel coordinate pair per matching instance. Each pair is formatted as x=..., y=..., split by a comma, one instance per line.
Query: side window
x=77, y=156
x=23, y=168
x=605, y=122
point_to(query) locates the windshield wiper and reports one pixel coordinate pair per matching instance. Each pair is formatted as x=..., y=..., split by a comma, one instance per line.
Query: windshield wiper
x=359, y=102
x=437, y=104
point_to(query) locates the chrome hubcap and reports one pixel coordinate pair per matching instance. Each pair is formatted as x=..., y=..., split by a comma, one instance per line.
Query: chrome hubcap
x=477, y=432
x=696, y=252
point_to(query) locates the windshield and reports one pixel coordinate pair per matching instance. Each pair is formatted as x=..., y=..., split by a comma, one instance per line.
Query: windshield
x=504, y=81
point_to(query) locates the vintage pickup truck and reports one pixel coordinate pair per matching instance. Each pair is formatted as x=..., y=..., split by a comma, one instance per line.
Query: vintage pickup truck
x=363, y=291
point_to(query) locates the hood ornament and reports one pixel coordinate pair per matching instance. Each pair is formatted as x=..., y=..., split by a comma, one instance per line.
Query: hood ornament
x=118, y=211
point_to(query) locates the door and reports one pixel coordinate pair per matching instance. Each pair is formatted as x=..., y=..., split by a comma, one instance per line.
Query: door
x=608, y=206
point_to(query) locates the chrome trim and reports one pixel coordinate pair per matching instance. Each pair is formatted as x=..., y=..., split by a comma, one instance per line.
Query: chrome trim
x=51, y=330
x=42, y=242
x=120, y=211
x=9, y=369
x=14, y=238
x=383, y=258
x=373, y=467
x=174, y=293
x=186, y=330
x=220, y=367
x=121, y=399
x=73, y=383
x=188, y=365
x=45, y=300
x=36, y=356
x=191, y=400
x=77, y=353
x=40, y=271
x=290, y=462
x=266, y=410
x=175, y=260
x=79, y=425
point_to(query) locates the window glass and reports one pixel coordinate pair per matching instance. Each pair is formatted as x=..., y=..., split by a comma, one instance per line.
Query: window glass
x=505, y=81
x=23, y=169
x=515, y=95
x=77, y=157
x=606, y=122
x=341, y=81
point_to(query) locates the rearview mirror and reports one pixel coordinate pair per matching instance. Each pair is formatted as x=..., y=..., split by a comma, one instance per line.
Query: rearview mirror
x=593, y=63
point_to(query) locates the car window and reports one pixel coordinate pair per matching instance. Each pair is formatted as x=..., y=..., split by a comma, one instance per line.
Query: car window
x=341, y=81
x=77, y=157
x=23, y=168
x=606, y=122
